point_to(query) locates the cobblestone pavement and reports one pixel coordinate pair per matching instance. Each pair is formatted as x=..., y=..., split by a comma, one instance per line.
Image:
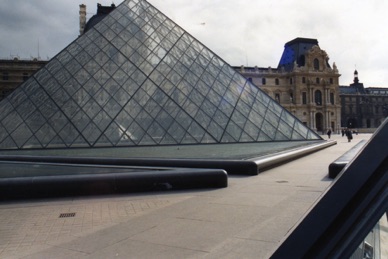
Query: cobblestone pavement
x=28, y=226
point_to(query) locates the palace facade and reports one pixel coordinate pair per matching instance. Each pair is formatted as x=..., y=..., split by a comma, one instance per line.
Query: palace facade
x=15, y=71
x=363, y=108
x=304, y=83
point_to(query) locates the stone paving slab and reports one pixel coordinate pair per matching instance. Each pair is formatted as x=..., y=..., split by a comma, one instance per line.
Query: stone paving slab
x=37, y=224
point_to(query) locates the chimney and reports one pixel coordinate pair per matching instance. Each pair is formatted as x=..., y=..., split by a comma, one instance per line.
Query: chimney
x=82, y=18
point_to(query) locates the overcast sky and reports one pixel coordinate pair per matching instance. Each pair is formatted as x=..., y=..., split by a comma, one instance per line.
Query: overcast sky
x=245, y=32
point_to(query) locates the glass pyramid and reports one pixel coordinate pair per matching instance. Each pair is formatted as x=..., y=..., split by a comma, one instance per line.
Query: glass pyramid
x=138, y=79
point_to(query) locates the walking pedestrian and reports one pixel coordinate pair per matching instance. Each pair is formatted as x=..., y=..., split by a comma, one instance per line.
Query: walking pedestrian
x=329, y=133
x=349, y=134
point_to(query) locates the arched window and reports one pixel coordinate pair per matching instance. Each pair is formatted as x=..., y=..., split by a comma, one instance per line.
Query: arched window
x=316, y=64
x=277, y=81
x=290, y=81
x=303, y=80
x=263, y=81
x=317, y=80
x=318, y=97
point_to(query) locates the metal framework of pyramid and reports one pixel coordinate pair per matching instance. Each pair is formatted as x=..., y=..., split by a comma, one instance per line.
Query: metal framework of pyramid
x=137, y=79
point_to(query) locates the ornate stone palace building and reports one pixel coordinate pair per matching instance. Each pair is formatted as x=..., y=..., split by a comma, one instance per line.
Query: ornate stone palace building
x=304, y=83
x=363, y=108
x=15, y=71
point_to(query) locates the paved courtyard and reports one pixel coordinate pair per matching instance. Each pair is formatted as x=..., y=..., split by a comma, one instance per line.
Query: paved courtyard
x=248, y=219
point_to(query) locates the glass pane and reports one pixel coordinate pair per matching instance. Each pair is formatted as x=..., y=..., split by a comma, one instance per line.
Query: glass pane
x=62, y=76
x=25, y=109
x=112, y=108
x=64, y=57
x=102, y=120
x=91, y=133
x=58, y=121
x=53, y=66
x=156, y=132
x=269, y=130
x=208, y=108
x=122, y=97
x=233, y=130
x=35, y=121
x=21, y=135
x=114, y=133
x=82, y=58
x=68, y=134
x=92, y=108
x=82, y=76
x=48, y=108
x=45, y=134
x=202, y=119
x=81, y=120
x=101, y=76
x=152, y=108
x=221, y=118
x=285, y=129
x=81, y=97
x=133, y=108
x=239, y=119
x=255, y=118
x=12, y=121
x=135, y=132
x=71, y=86
x=196, y=131
x=101, y=97
x=251, y=130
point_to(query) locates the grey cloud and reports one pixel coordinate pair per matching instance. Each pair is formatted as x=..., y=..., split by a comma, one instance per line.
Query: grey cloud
x=241, y=32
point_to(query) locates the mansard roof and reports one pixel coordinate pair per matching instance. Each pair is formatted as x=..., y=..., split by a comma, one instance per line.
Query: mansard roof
x=294, y=52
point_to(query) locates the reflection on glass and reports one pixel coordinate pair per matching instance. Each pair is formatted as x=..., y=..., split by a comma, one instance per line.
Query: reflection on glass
x=374, y=246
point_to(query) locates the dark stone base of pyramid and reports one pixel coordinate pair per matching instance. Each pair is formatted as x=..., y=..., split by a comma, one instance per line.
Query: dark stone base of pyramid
x=23, y=176
x=46, y=186
x=239, y=167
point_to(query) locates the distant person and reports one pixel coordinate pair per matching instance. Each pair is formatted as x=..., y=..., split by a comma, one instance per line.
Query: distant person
x=329, y=133
x=349, y=134
x=343, y=132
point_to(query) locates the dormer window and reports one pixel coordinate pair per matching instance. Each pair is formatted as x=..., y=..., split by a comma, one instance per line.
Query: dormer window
x=302, y=60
